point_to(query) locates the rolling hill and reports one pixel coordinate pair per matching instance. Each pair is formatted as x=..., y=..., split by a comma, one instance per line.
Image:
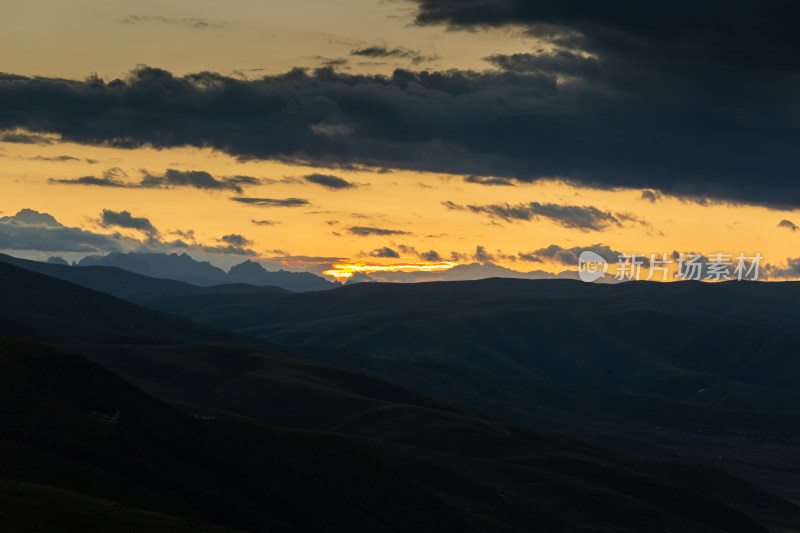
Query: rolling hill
x=70, y=425
x=386, y=457
x=707, y=371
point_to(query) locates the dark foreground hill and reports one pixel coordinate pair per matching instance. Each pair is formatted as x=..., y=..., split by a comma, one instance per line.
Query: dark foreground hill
x=502, y=476
x=67, y=423
x=707, y=371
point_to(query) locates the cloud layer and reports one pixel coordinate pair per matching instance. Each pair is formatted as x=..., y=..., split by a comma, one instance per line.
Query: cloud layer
x=615, y=106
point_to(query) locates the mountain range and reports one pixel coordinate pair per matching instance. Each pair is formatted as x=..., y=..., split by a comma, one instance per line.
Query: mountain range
x=182, y=267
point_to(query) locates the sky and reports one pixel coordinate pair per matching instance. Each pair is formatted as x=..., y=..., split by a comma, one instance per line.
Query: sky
x=400, y=139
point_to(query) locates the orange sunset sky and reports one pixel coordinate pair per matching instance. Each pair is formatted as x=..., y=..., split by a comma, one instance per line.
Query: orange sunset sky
x=349, y=196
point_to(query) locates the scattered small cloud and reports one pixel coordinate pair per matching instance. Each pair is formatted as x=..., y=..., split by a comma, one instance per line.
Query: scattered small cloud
x=481, y=255
x=330, y=181
x=90, y=180
x=197, y=179
x=384, y=252
x=124, y=219
x=490, y=180
x=432, y=256
x=788, y=224
x=365, y=231
x=265, y=222
x=272, y=202
x=382, y=51
x=332, y=62
x=235, y=239
x=191, y=22
x=57, y=159
x=233, y=244
x=651, y=196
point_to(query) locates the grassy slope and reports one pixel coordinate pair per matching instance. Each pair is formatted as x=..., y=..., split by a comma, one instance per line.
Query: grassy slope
x=27, y=507
x=156, y=458
x=678, y=370
x=503, y=475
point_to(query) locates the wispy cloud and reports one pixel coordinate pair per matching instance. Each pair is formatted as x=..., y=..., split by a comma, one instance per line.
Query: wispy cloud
x=366, y=231
x=383, y=51
x=585, y=218
x=272, y=202
x=171, y=178
x=330, y=181
x=189, y=22
x=124, y=219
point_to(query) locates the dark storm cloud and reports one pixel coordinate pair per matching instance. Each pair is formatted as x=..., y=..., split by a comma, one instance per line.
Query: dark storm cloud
x=331, y=182
x=124, y=219
x=272, y=202
x=687, y=34
x=672, y=110
x=364, y=231
x=587, y=218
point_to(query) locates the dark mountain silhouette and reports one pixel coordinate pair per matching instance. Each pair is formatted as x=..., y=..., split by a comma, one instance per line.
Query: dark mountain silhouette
x=182, y=267
x=174, y=266
x=699, y=370
x=128, y=285
x=254, y=274
x=44, y=308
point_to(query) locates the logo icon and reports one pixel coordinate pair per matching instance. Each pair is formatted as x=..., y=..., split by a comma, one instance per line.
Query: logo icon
x=591, y=266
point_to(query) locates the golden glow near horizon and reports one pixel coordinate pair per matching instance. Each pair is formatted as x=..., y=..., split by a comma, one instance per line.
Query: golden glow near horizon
x=343, y=271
